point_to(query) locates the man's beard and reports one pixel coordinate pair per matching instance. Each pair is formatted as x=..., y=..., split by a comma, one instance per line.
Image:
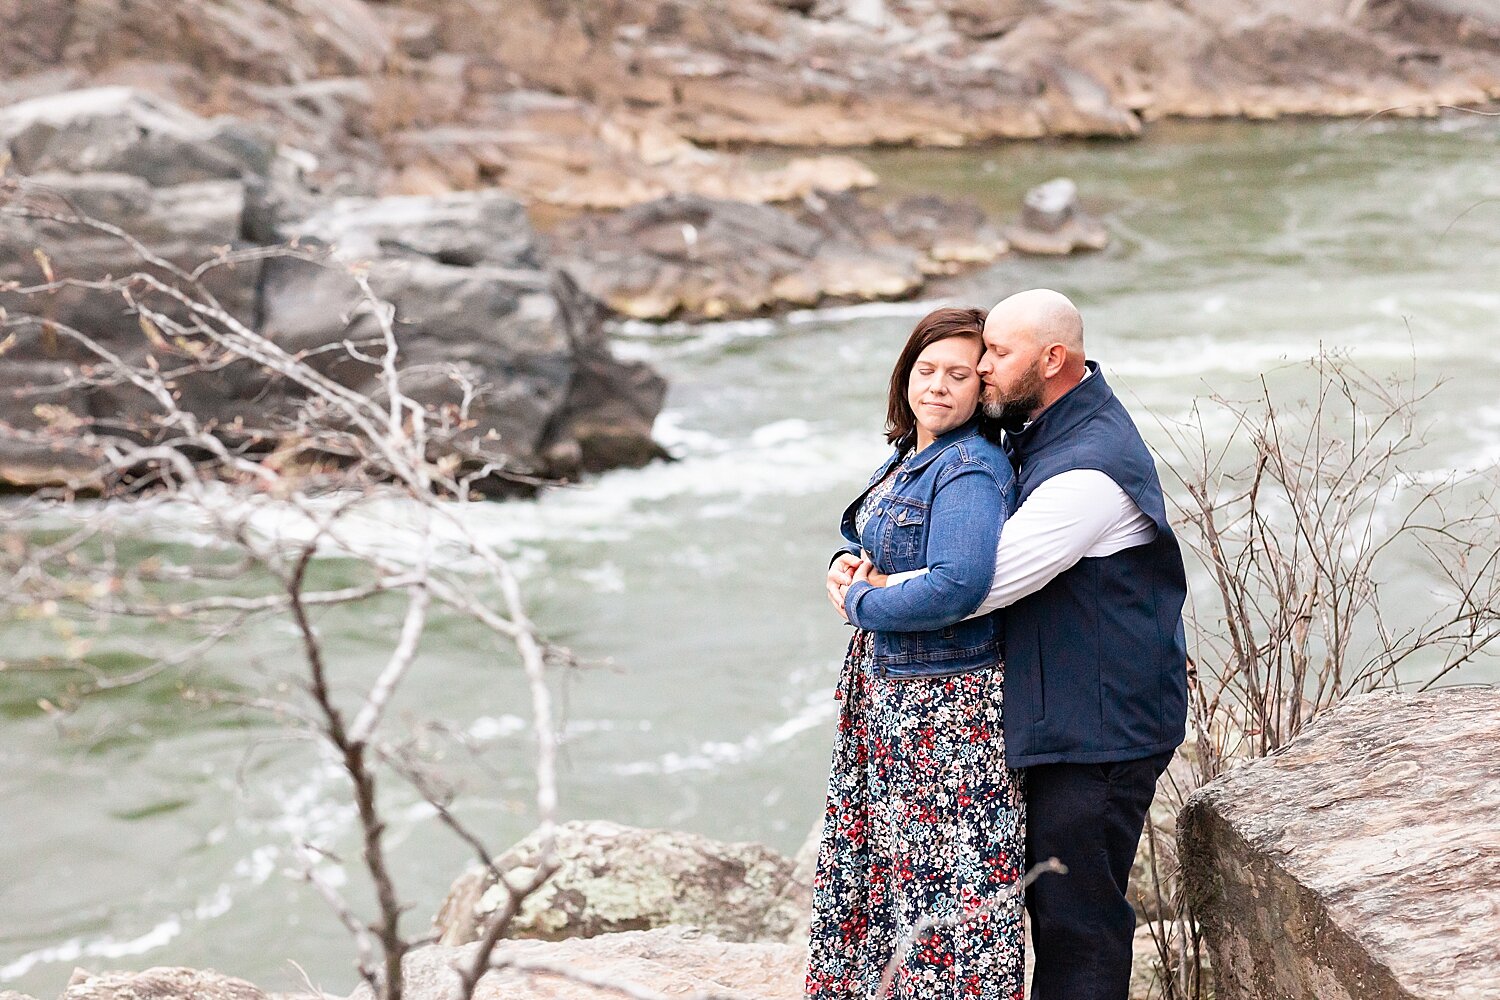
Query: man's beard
x=1014, y=409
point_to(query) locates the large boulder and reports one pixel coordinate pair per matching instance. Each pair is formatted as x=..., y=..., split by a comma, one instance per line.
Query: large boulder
x=669, y=962
x=162, y=983
x=1360, y=860
x=126, y=131
x=616, y=878
x=477, y=318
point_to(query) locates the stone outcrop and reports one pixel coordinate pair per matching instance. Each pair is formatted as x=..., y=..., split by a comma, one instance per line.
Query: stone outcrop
x=1053, y=224
x=480, y=317
x=562, y=151
x=609, y=105
x=1362, y=860
x=164, y=983
x=700, y=258
x=616, y=878
x=669, y=962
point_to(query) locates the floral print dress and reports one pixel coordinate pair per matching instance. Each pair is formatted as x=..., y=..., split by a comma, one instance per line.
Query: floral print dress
x=923, y=818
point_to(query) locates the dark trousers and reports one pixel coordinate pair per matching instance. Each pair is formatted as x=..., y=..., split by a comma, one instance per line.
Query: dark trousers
x=1089, y=817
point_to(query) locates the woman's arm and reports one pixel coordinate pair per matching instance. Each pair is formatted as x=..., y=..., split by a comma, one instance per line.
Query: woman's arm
x=962, y=534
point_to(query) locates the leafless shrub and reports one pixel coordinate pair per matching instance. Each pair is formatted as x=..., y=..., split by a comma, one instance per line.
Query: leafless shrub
x=1302, y=518
x=335, y=457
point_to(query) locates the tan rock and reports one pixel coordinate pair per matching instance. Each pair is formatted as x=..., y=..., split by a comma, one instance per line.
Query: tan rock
x=1361, y=860
x=672, y=962
x=615, y=878
x=162, y=983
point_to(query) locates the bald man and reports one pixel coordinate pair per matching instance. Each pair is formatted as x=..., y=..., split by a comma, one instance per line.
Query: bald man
x=1095, y=693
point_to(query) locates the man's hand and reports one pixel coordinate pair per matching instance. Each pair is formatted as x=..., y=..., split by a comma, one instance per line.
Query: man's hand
x=840, y=575
x=869, y=574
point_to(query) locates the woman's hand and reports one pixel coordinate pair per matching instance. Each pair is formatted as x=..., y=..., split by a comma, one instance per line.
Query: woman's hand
x=840, y=575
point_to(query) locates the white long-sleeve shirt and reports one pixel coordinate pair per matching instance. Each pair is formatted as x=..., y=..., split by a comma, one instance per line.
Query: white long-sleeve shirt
x=1081, y=513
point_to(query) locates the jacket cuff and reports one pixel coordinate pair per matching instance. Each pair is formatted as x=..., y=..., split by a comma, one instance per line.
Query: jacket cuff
x=852, y=596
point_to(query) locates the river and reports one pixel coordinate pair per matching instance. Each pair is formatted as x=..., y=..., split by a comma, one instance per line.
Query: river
x=146, y=829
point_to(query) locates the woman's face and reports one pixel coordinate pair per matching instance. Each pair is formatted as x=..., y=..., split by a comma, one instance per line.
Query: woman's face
x=943, y=389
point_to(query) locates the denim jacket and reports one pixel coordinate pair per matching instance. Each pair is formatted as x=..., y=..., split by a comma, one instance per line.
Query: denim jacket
x=944, y=512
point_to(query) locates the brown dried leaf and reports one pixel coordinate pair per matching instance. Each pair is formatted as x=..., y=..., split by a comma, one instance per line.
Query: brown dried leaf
x=46, y=264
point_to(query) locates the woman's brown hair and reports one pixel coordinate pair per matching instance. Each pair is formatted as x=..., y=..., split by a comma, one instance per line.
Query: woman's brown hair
x=940, y=324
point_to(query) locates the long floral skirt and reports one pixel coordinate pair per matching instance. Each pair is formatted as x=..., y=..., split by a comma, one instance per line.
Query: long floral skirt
x=923, y=818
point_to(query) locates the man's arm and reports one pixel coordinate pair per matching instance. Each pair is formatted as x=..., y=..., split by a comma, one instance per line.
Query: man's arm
x=1078, y=513
x=959, y=564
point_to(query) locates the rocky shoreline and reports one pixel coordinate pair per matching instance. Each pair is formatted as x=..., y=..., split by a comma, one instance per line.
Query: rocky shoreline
x=1357, y=861
x=606, y=105
x=424, y=138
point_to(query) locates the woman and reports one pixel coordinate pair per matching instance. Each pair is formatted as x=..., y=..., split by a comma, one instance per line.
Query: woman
x=923, y=818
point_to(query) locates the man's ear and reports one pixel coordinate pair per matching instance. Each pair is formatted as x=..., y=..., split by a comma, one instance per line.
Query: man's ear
x=1054, y=358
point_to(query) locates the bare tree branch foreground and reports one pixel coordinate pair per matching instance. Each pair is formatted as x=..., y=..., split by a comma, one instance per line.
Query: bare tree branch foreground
x=1305, y=518
x=1302, y=516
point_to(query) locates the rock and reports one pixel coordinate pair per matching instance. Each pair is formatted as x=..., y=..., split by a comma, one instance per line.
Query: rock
x=953, y=235
x=269, y=40
x=698, y=258
x=462, y=229
x=671, y=962
x=1053, y=224
x=983, y=20
x=125, y=131
x=185, y=224
x=473, y=308
x=39, y=413
x=162, y=983
x=797, y=895
x=514, y=353
x=615, y=878
x=1360, y=860
x=564, y=152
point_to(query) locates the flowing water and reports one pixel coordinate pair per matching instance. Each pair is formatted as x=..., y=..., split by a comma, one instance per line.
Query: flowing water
x=150, y=829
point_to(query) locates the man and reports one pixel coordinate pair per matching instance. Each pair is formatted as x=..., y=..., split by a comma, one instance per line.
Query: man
x=1090, y=575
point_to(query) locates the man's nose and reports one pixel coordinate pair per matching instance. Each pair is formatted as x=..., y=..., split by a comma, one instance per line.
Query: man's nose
x=984, y=367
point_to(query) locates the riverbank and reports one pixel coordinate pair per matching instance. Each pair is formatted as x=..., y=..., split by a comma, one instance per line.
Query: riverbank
x=606, y=105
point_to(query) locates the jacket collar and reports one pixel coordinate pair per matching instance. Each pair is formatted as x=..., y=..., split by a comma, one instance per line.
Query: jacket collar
x=924, y=457
x=1058, y=420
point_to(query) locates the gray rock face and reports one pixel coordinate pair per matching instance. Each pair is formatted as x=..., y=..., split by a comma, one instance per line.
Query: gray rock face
x=480, y=321
x=673, y=962
x=476, y=314
x=1360, y=861
x=127, y=131
x=688, y=257
x=182, y=223
x=461, y=229
x=616, y=878
x=163, y=983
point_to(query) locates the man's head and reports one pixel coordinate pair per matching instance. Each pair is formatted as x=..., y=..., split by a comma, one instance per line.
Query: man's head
x=1033, y=354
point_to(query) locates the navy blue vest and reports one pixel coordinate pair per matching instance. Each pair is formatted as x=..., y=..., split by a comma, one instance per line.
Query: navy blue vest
x=1096, y=662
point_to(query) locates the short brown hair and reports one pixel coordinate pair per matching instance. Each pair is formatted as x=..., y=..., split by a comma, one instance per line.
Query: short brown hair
x=940, y=324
